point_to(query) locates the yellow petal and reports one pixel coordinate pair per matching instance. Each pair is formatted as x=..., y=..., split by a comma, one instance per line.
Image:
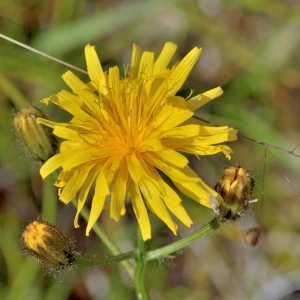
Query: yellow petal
x=183, y=132
x=57, y=160
x=66, y=145
x=173, y=157
x=218, y=137
x=50, y=123
x=134, y=167
x=183, y=70
x=164, y=58
x=99, y=198
x=153, y=201
x=73, y=81
x=140, y=210
x=170, y=117
x=198, y=101
x=180, y=213
x=66, y=133
x=175, y=65
x=151, y=145
x=197, y=191
x=86, y=155
x=148, y=170
x=176, y=101
x=103, y=180
x=96, y=209
x=146, y=65
x=118, y=193
x=173, y=172
x=169, y=196
x=85, y=191
x=135, y=61
x=90, y=100
x=210, y=150
x=94, y=68
x=76, y=121
x=74, y=184
x=157, y=93
x=71, y=107
x=114, y=82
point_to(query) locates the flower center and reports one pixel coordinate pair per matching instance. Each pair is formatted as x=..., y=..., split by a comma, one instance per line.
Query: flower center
x=132, y=148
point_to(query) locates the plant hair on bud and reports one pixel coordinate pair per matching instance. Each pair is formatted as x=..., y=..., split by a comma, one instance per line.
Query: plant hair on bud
x=54, y=250
x=38, y=140
x=235, y=186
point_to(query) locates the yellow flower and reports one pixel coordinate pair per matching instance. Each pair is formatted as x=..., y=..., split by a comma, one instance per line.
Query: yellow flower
x=126, y=129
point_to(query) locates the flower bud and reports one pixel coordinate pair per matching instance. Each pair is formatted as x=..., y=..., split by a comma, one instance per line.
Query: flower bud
x=252, y=237
x=55, y=250
x=37, y=138
x=235, y=187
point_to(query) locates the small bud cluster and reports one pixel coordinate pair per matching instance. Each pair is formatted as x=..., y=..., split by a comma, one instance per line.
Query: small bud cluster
x=54, y=250
x=37, y=138
x=235, y=187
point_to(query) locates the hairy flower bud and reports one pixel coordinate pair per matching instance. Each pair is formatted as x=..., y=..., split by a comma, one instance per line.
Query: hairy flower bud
x=37, y=138
x=252, y=237
x=55, y=250
x=235, y=187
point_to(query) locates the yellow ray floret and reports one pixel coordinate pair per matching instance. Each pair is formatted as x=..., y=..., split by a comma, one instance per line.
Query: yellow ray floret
x=126, y=129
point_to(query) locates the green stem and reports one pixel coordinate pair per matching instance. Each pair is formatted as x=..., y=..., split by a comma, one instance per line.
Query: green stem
x=12, y=92
x=106, y=240
x=140, y=270
x=50, y=201
x=83, y=262
x=205, y=230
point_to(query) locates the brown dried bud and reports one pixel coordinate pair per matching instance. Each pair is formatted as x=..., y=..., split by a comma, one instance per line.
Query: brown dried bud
x=37, y=138
x=235, y=187
x=55, y=250
x=252, y=237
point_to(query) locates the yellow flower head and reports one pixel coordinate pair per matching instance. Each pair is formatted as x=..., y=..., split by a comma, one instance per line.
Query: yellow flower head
x=125, y=129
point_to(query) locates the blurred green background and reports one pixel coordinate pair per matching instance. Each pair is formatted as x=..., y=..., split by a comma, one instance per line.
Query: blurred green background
x=251, y=49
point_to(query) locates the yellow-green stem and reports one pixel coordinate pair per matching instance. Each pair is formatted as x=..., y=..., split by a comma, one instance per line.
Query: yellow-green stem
x=85, y=262
x=141, y=265
x=182, y=243
x=50, y=201
x=106, y=240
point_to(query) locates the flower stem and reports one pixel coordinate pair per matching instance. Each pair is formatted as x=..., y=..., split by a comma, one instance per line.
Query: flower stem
x=106, y=240
x=50, y=201
x=83, y=262
x=205, y=230
x=140, y=271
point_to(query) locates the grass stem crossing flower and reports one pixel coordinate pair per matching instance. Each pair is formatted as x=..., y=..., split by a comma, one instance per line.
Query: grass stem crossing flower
x=126, y=129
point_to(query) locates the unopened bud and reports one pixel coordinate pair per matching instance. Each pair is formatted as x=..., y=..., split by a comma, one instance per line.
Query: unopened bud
x=235, y=187
x=37, y=138
x=252, y=237
x=54, y=250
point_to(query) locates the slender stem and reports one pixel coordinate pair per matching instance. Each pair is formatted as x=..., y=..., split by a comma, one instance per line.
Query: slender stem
x=106, y=240
x=141, y=265
x=263, y=187
x=205, y=230
x=283, y=173
x=41, y=53
x=50, y=201
x=83, y=262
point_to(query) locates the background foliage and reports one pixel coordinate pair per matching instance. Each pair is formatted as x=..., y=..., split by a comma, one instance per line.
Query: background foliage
x=251, y=49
